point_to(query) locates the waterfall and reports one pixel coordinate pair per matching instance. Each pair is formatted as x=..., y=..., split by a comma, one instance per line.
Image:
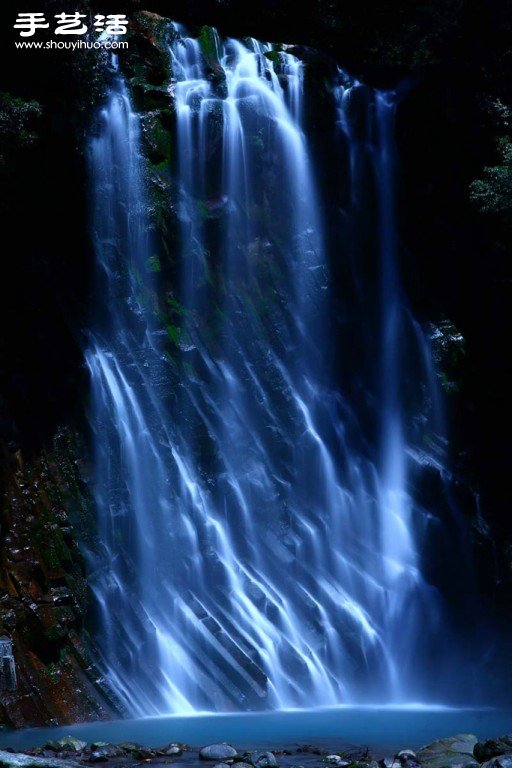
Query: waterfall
x=132, y=485
x=255, y=551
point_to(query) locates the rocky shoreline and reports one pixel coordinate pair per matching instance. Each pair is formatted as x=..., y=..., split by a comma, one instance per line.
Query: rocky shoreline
x=460, y=751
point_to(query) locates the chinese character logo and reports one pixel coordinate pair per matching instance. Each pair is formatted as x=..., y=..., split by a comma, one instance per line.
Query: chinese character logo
x=72, y=23
x=114, y=24
x=29, y=22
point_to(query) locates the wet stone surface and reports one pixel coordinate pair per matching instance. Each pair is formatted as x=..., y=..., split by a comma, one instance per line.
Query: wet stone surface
x=460, y=751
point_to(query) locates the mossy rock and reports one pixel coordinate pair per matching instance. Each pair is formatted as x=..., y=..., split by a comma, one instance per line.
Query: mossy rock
x=273, y=56
x=158, y=28
x=147, y=96
x=147, y=58
x=211, y=50
x=157, y=137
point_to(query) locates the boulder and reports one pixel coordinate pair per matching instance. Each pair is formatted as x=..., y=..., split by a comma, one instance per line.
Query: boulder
x=218, y=752
x=138, y=751
x=262, y=759
x=171, y=750
x=334, y=760
x=309, y=749
x=72, y=744
x=502, y=761
x=406, y=758
x=445, y=753
x=486, y=750
x=103, y=751
x=17, y=760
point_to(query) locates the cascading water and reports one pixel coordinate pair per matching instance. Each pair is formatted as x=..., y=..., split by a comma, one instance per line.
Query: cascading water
x=255, y=552
x=127, y=411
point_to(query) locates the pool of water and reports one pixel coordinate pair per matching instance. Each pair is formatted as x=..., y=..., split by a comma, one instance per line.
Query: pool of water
x=383, y=728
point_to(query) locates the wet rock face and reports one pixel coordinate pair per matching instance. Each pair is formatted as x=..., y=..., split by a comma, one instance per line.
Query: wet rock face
x=101, y=752
x=503, y=761
x=71, y=744
x=172, y=750
x=43, y=593
x=17, y=760
x=485, y=751
x=8, y=680
x=218, y=752
x=454, y=750
x=262, y=759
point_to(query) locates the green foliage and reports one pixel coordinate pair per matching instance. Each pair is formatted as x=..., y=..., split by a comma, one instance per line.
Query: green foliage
x=51, y=546
x=449, y=351
x=18, y=119
x=273, y=56
x=146, y=95
x=158, y=28
x=54, y=633
x=403, y=37
x=210, y=48
x=154, y=263
x=175, y=305
x=174, y=333
x=53, y=672
x=208, y=43
x=157, y=137
x=493, y=192
x=499, y=114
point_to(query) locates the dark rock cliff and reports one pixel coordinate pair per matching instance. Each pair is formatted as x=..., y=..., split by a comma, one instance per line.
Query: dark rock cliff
x=44, y=593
